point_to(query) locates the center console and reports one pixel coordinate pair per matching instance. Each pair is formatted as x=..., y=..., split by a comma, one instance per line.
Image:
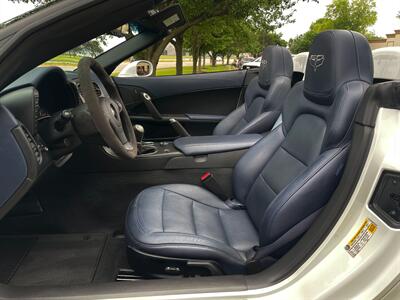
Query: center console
x=200, y=152
x=186, y=153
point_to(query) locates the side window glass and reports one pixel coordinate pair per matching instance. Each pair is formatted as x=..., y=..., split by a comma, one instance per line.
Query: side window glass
x=168, y=65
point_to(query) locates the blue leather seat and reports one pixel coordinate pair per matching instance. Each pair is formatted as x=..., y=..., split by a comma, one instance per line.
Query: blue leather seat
x=264, y=96
x=283, y=181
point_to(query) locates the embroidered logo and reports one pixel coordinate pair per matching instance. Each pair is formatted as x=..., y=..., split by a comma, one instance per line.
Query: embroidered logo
x=316, y=61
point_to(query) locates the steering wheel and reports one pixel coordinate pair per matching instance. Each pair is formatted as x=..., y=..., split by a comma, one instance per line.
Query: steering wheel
x=107, y=110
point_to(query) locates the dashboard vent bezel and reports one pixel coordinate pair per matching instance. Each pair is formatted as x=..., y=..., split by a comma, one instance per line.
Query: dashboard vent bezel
x=33, y=144
x=97, y=89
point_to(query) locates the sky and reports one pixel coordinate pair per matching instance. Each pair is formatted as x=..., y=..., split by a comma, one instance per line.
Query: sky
x=306, y=13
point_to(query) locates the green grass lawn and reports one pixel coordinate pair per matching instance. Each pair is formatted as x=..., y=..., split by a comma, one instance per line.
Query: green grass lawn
x=64, y=60
x=172, y=58
x=188, y=70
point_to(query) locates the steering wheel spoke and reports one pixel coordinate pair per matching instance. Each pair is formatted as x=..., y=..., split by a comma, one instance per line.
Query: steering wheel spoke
x=108, y=111
x=119, y=131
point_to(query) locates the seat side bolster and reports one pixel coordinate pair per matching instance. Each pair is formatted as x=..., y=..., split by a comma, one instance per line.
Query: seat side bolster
x=226, y=125
x=308, y=193
x=261, y=124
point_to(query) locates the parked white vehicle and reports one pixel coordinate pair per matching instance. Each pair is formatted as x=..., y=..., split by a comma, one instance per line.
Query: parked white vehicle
x=387, y=63
x=253, y=64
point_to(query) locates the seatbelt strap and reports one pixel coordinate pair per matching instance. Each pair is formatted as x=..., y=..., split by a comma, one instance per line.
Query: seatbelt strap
x=261, y=256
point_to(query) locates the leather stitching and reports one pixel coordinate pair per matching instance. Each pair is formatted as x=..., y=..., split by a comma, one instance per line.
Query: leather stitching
x=266, y=162
x=223, y=228
x=162, y=210
x=196, y=200
x=296, y=158
x=193, y=219
x=266, y=182
x=138, y=217
x=140, y=223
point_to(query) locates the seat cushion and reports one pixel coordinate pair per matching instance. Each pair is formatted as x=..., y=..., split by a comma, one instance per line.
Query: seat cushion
x=185, y=221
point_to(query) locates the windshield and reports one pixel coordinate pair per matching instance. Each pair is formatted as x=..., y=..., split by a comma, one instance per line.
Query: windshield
x=68, y=61
x=14, y=10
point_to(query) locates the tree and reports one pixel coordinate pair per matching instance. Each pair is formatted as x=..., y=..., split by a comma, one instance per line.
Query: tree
x=92, y=48
x=356, y=15
x=259, y=12
x=303, y=42
x=225, y=36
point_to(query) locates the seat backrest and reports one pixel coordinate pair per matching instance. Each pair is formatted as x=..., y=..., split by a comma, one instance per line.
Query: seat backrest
x=264, y=96
x=292, y=173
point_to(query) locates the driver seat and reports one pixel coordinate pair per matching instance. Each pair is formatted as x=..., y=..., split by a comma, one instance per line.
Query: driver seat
x=283, y=182
x=264, y=96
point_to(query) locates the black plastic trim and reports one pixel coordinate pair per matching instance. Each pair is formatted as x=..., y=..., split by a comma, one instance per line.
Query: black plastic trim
x=380, y=202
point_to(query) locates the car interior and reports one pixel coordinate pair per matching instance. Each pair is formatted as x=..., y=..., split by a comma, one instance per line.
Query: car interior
x=134, y=179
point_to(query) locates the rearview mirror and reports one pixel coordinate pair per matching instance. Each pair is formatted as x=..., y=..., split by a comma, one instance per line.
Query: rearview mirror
x=139, y=68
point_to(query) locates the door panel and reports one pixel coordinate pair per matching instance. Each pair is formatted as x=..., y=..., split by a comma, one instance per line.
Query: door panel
x=198, y=101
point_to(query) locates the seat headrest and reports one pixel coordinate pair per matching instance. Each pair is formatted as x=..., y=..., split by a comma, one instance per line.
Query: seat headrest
x=336, y=57
x=276, y=61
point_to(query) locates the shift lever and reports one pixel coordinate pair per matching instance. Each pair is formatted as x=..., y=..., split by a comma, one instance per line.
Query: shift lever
x=139, y=133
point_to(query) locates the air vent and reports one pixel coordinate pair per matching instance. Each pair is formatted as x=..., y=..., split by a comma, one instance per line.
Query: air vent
x=34, y=146
x=36, y=109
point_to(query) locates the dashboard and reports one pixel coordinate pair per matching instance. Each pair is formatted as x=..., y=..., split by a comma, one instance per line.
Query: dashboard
x=38, y=95
x=29, y=140
x=42, y=121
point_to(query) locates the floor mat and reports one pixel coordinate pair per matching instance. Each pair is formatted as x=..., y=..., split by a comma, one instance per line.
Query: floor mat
x=59, y=260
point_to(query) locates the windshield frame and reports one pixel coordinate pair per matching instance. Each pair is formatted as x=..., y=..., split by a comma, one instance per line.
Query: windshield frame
x=31, y=12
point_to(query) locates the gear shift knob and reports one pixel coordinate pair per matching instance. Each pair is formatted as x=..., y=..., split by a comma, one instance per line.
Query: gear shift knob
x=139, y=132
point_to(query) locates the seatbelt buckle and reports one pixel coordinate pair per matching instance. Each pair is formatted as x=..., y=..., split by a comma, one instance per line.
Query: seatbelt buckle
x=209, y=183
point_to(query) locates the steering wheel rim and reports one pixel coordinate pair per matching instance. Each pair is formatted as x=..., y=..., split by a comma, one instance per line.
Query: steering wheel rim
x=108, y=110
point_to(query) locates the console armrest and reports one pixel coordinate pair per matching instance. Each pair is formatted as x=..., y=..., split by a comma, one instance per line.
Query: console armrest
x=200, y=145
